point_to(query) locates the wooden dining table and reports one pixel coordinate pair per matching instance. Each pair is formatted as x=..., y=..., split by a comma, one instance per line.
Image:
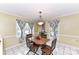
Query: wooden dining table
x=40, y=41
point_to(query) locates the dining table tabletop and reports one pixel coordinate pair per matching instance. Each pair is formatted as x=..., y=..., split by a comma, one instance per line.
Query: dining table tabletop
x=40, y=41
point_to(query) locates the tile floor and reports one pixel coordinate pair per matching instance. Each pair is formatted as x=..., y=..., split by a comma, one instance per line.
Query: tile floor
x=61, y=49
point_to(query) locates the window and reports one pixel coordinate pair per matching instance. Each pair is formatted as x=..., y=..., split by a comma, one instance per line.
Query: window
x=18, y=31
x=51, y=32
x=26, y=29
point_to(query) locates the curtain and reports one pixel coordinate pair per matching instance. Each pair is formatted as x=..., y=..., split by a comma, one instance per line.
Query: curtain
x=54, y=25
x=21, y=26
x=31, y=26
x=26, y=29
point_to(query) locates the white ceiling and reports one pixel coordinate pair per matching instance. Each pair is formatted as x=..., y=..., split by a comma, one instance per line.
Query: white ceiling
x=50, y=11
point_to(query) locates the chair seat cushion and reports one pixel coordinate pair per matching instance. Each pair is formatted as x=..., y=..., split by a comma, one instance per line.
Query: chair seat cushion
x=46, y=49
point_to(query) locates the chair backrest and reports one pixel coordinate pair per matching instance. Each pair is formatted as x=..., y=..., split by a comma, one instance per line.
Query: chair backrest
x=53, y=44
x=42, y=34
x=28, y=35
x=28, y=41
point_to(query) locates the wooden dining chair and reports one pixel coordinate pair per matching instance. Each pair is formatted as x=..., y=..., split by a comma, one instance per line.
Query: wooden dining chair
x=32, y=47
x=47, y=50
x=43, y=35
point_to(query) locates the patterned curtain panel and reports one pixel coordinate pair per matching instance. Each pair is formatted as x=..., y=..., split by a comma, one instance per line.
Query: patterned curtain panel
x=26, y=29
x=31, y=26
x=54, y=25
x=22, y=29
x=21, y=26
x=18, y=30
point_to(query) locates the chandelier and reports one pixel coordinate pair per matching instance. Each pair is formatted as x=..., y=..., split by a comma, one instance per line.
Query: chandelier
x=40, y=22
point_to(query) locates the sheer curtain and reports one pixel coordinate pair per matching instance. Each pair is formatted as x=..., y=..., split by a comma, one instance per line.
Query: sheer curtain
x=54, y=28
x=22, y=28
x=31, y=26
x=26, y=30
x=18, y=31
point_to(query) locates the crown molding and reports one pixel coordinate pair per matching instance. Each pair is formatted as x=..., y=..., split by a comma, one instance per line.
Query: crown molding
x=13, y=14
x=24, y=17
x=68, y=14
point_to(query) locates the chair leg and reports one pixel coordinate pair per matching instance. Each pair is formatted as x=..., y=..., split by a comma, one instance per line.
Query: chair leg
x=52, y=53
x=36, y=51
x=43, y=53
x=33, y=52
x=28, y=52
